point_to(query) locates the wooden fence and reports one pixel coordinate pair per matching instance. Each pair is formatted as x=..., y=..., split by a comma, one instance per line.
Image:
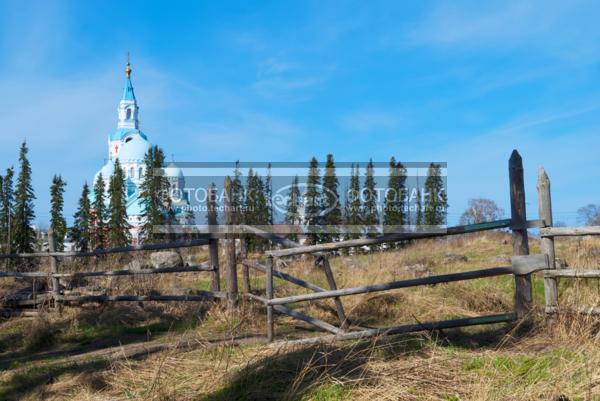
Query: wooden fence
x=521, y=268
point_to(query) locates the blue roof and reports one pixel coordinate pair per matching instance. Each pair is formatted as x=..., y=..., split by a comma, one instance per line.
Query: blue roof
x=128, y=91
x=120, y=133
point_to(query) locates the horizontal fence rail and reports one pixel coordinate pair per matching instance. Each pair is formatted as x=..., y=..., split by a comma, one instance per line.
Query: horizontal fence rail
x=573, y=273
x=131, y=272
x=444, y=278
x=198, y=296
x=569, y=231
x=442, y=232
x=98, y=252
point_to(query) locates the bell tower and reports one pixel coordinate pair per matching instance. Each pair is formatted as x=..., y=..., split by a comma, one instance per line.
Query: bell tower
x=128, y=108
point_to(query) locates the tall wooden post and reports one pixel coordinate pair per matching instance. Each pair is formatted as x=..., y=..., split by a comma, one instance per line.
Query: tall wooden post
x=547, y=243
x=523, y=287
x=54, y=267
x=213, y=243
x=333, y=286
x=230, y=219
x=245, y=268
x=269, y=294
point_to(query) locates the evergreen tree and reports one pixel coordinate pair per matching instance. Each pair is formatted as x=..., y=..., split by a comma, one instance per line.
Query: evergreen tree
x=238, y=189
x=255, y=212
x=269, y=195
x=419, y=218
x=353, y=204
x=118, y=227
x=436, y=201
x=370, y=215
x=58, y=224
x=394, y=216
x=99, y=214
x=82, y=222
x=154, y=195
x=24, y=234
x=293, y=208
x=7, y=209
x=332, y=213
x=314, y=205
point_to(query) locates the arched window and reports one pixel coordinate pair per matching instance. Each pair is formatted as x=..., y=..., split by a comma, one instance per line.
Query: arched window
x=131, y=172
x=128, y=115
x=141, y=172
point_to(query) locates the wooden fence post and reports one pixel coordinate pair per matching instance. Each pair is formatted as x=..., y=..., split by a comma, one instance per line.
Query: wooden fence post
x=547, y=243
x=333, y=286
x=245, y=268
x=54, y=267
x=523, y=287
x=269, y=288
x=213, y=243
x=230, y=218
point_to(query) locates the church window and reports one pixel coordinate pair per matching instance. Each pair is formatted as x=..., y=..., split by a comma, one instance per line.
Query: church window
x=128, y=115
x=131, y=171
x=140, y=173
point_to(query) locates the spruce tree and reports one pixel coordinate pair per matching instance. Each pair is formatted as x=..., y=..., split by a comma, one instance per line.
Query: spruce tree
x=419, y=218
x=292, y=217
x=332, y=213
x=370, y=215
x=154, y=195
x=436, y=201
x=255, y=212
x=238, y=189
x=118, y=227
x=82, y=222
x=314, y=205
x=7, y=209
x=58, y=224
x=394, y=216
x=269, y=195
x=99, y=214
x=353, y=204
x=24, y=234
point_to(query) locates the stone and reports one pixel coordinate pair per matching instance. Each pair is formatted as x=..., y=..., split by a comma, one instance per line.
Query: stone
x=501, y=259
x=164, y=259
x=137, y=264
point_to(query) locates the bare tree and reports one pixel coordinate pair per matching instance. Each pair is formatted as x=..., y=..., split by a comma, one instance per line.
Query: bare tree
x=481, y=210
x=589, y=215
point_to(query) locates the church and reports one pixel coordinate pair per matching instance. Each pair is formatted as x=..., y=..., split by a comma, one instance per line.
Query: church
x=129, y=144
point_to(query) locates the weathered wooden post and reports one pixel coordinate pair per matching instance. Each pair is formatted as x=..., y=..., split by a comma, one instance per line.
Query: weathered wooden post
x=54, y=262
x=213, y=242
x=333, y=286
x=245, y=268
x=547, y=243
x=269, y=294
x=230, y=219
x=523, y=287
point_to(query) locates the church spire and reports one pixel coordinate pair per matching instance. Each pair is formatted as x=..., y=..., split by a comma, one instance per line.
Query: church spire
x=128, y=108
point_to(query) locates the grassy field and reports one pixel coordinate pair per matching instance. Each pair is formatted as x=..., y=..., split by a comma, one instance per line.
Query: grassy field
x=202, y=352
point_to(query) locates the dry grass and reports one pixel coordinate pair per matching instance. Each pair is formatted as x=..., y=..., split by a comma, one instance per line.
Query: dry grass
x=483, y=363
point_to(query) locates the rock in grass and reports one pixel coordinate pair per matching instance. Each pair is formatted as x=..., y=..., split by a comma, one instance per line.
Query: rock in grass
x=165, y=259
x=454, y=258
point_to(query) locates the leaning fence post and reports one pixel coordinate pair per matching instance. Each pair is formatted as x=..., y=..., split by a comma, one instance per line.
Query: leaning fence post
x=213, y=242
x=232, y=281
x=53, y=267
x=547, y=243
x=332, y=285
x=523, y=287
x=245, y=268
x=269, y=288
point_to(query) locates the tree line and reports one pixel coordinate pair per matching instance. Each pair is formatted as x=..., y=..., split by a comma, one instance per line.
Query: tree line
x=100, y=220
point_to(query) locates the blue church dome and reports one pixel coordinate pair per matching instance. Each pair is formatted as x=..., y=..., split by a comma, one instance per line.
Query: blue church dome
x=107, y=171
x=121, y=133
x=172, y=171
x=134, y=148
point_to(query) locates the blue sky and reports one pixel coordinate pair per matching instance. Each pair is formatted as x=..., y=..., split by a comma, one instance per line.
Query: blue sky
x=461, y=82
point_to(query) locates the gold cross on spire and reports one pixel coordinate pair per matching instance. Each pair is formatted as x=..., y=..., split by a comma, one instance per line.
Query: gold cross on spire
x=128, y=67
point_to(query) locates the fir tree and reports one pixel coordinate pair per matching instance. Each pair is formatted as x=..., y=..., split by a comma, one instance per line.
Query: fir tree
x=419, y=219
x=353, y=204
x=58, y=224
x=332, y=213
x=314, y=205
x=370, y=215
x=436, y=199
x=269, y=195
x=255, y=207
x=99, y=214
x=118, y=227
x=394, y=217
x=293, y=208
x=7, y=209
x=82, y=222
x=24, y=234
x=238, y=189
x=154, y=195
